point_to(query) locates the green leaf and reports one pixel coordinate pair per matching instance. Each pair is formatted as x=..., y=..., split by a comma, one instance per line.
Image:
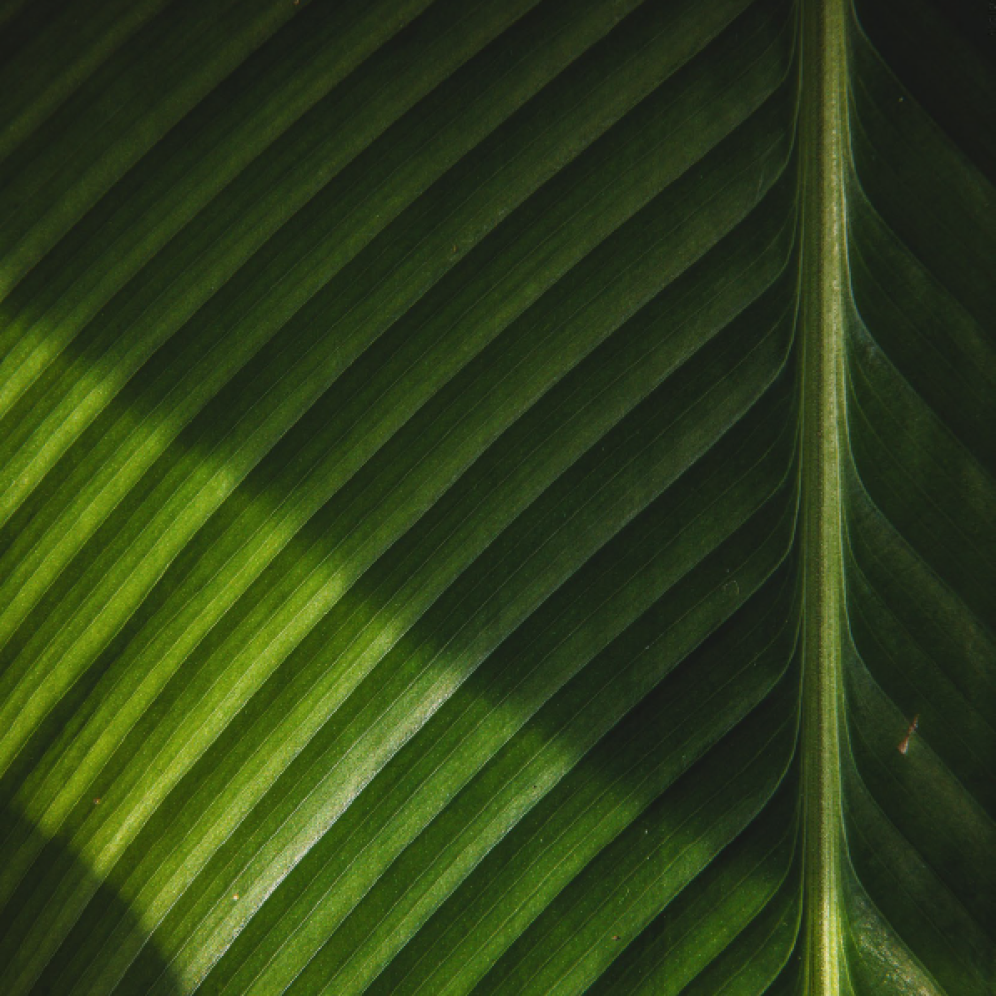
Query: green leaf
x=487, y=487
x=919, y=494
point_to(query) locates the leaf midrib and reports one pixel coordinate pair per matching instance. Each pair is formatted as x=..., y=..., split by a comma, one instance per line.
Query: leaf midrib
x=823, y=219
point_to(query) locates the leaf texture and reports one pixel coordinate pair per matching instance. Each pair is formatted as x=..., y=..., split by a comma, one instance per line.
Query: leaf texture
x=920, y=496
x=401, y=549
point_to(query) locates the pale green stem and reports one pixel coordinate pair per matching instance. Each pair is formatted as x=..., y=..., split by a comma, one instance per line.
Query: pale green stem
x=824, y=122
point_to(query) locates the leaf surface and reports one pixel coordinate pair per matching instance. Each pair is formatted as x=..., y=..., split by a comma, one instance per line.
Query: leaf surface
x=470, y=523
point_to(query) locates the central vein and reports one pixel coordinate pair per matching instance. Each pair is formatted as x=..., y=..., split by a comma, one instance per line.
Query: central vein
x=824, y=110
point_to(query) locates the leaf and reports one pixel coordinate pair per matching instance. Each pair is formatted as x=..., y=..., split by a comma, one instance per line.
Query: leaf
x=487, y=488
x=919, y=495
